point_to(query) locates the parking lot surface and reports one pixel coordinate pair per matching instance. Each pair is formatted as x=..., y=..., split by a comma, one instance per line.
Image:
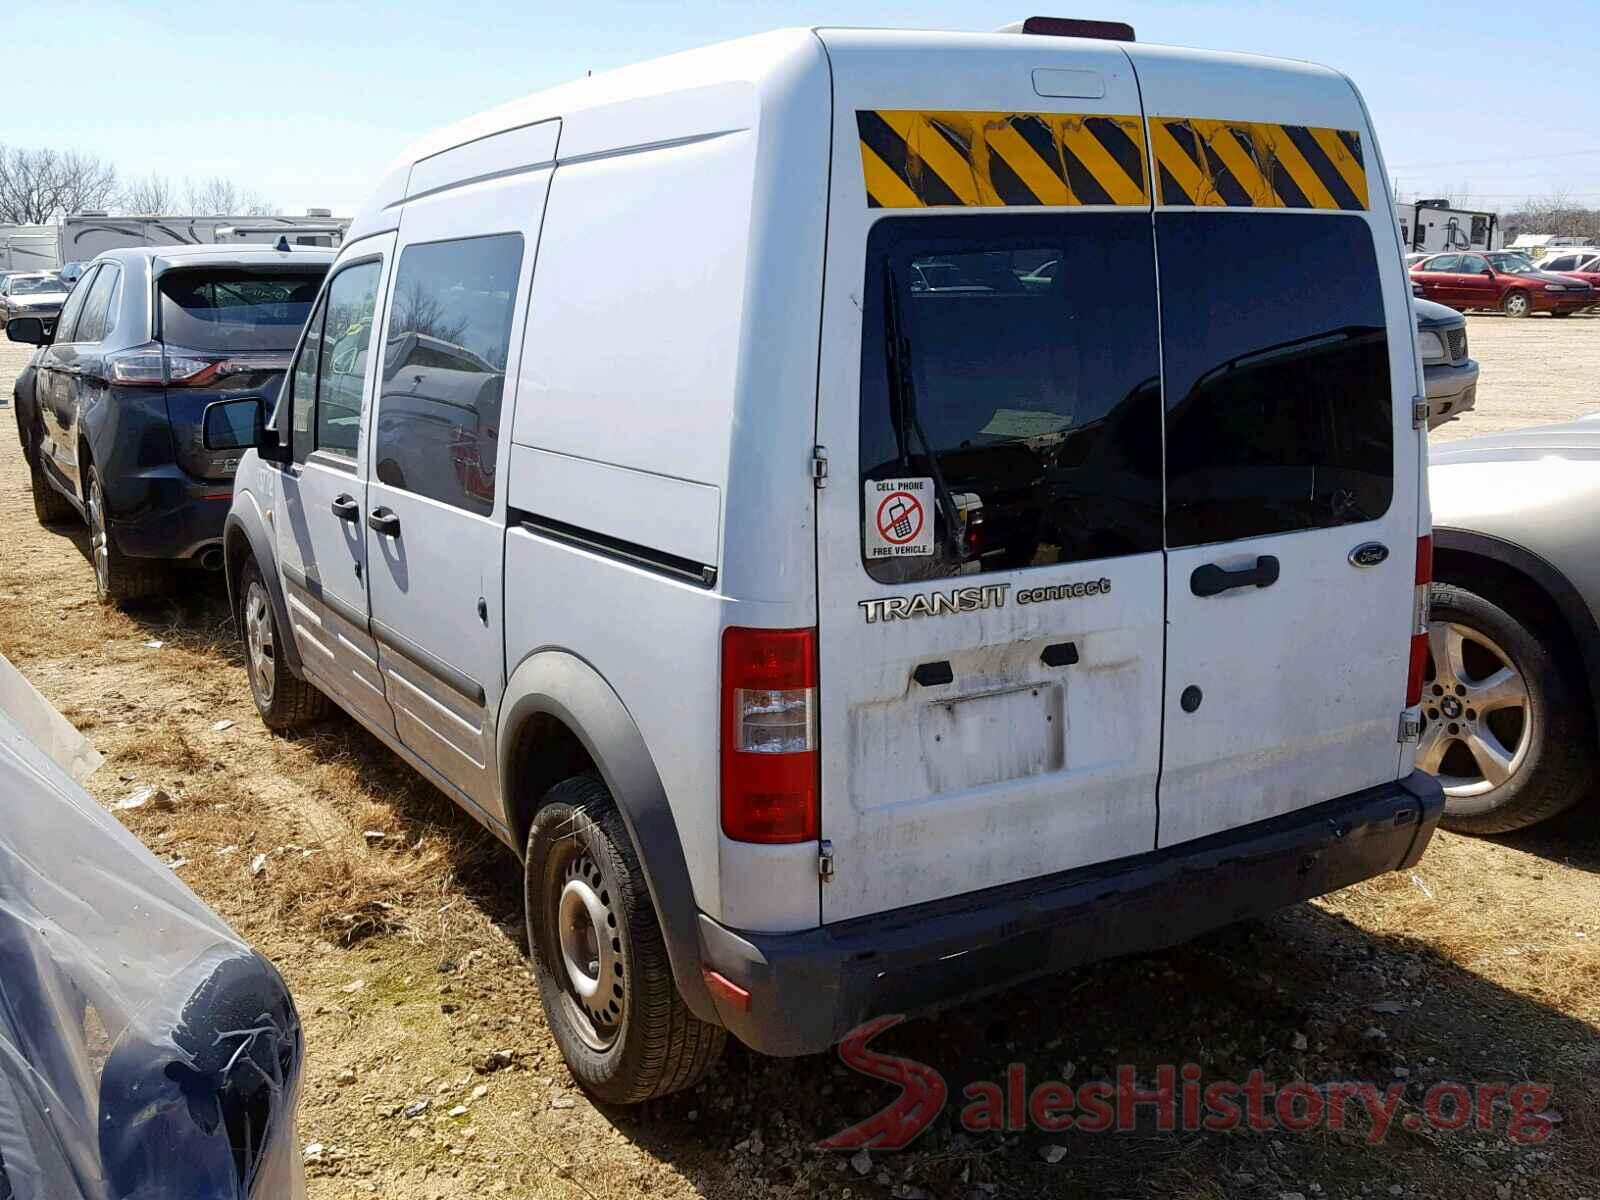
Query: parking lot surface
x=398, y=924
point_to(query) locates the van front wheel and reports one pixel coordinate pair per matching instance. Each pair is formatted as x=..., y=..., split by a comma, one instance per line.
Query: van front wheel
x=284, y=702
x=599, y=957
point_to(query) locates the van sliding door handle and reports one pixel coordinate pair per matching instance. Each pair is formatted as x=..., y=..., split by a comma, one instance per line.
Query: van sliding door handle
x=384, y=521
x=1212, y=580
x=346, y=508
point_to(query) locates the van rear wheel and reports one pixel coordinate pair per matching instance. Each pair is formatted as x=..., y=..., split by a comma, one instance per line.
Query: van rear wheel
x=599, y=957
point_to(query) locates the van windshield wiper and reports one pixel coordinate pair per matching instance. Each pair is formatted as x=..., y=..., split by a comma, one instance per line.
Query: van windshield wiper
x=903, y=394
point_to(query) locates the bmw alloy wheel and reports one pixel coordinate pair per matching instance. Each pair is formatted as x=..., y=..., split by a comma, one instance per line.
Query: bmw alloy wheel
x=1478, y=720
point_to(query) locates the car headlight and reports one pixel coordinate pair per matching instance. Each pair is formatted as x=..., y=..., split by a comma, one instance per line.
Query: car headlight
x=1431, y=345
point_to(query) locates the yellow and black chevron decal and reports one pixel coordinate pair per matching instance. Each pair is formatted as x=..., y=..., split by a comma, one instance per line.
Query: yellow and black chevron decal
x=996, y=159
x=1255, y=164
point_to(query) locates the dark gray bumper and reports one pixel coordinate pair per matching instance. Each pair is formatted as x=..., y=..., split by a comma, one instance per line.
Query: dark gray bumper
x=809, y=989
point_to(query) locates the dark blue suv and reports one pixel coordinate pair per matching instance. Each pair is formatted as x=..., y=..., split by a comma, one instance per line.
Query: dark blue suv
x=111, y=409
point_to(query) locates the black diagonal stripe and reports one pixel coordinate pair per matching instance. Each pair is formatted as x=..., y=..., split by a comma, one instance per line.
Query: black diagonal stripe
x=1120, y=146
x=1352, y=143
x=1208, y=164
x=1319, y=162
x=1041, y=140
x=1010, y=188
x=1085, y=187
x=1283, y=183
x=888, y=145
x=1171, y=192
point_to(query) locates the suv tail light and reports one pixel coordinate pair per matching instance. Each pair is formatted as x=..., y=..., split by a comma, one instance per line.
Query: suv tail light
x=769, y=735
x=1419, y=620
x=156, y=365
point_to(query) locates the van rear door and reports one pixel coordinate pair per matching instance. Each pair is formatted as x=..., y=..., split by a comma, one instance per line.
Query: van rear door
x=989, y=549
x=1292, y=463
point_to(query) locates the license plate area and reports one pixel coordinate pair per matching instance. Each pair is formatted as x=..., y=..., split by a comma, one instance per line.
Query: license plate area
x=971, y=741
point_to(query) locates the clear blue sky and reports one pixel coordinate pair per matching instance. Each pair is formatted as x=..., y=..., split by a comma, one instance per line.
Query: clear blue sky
x=305, y=106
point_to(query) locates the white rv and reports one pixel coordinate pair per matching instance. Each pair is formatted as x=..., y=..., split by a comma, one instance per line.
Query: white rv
x=1434, y=225
x=83, y=236
x=28, y=248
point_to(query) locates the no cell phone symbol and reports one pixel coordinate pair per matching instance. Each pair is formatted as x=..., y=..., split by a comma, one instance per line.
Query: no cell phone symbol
x=900, y=518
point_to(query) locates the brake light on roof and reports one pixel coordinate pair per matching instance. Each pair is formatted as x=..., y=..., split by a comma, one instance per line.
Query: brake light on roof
x=1110, y=31
x=1419, y=620
x=769, y=735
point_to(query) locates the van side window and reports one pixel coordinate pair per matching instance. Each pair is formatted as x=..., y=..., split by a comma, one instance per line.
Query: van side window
x=1279, y=410
x=1010, y=360
x=352, y=295
x=444, y=369
x=302, y=391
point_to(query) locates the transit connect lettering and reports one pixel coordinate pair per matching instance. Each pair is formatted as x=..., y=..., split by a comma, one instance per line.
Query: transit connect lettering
x=1064, y=591
x=935, y=604
x=974, y=599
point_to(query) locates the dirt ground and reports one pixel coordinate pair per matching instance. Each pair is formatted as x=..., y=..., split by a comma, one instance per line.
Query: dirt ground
x=397, y=923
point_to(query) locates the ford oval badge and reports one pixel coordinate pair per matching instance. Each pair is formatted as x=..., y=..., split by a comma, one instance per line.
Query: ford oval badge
x=1368, y=554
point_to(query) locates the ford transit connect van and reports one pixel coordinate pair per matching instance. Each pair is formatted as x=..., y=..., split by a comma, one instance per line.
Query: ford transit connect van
x=870, y=517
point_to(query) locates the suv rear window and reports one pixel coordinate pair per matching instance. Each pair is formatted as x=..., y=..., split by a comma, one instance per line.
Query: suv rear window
x=1279, y=409
x=1022, y=380
x=236, y=309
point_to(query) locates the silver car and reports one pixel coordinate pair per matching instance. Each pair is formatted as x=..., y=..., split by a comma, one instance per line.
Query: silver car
x=1509, y=706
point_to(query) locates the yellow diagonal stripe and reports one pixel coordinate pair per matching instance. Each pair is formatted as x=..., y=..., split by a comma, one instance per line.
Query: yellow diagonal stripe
x=1105, y=169
x=1299, y=169
x=1025, y=163
x=883, y=185
x=1240, y=160
x=1181, y=167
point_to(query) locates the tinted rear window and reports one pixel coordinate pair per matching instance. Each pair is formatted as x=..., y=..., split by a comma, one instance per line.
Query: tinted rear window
x=1030, y=348
x=1279, y=409
x=234, y=309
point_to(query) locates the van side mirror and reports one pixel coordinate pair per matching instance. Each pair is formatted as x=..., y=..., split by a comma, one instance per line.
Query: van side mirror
x=234, y=424
x=27, y=329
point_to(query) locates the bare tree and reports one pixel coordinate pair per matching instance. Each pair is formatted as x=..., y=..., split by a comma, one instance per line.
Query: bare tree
x=219, y=197
x=152, y=196
x=41, y=185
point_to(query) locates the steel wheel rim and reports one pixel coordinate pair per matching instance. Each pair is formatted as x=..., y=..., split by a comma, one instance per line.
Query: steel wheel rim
x=1457, y=704
x=589, y=945
x=259, y=641
x=99, y=541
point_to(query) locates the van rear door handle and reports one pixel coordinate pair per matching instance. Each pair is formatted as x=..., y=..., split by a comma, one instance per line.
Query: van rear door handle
x=384, y=521
x=1212, y=580
x=346, y=508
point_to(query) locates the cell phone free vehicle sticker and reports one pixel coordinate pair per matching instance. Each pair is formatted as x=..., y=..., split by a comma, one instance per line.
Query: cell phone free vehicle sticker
x=899, y=517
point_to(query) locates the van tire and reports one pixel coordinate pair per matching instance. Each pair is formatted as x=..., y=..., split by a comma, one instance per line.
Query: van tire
x=1554, y=774
x=1517, y=303
x=118, y=579
x=285, y=701
x=579, y=847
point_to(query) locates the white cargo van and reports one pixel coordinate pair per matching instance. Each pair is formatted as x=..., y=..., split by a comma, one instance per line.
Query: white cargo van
x=870, y=517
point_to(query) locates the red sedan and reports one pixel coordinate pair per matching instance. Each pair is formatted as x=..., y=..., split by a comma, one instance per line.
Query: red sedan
x=1497, y=279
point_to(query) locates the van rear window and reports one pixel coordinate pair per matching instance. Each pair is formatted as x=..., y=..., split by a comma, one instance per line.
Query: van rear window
x=236, y=308
x=1279, y=413
x=1010, y=362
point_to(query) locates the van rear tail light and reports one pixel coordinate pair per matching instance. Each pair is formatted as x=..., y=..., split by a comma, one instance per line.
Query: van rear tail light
x=1419, y=621
x=769, y=735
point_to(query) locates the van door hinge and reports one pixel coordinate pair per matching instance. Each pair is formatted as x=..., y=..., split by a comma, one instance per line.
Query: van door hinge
x=819, y=466
x=1419, y=412
x=825, y=859
x=1410, y=725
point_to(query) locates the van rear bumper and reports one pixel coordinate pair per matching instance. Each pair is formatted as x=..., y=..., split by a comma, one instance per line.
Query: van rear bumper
x=807, y=990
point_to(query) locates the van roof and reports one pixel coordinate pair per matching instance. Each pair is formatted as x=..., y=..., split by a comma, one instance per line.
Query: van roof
x=696, y=75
